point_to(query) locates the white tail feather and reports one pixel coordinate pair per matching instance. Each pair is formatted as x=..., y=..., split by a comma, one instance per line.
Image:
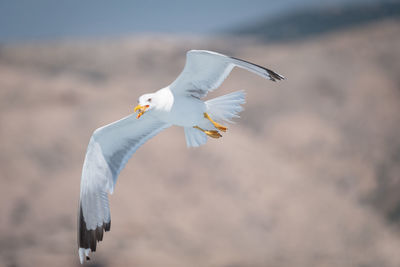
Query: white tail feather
x=226, y=107
x=223, y=108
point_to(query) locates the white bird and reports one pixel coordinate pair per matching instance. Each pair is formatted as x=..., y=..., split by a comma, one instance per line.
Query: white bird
x=111, y=146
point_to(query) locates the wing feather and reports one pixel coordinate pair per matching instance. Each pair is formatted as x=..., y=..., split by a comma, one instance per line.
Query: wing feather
x=109, y=149
x=205, y=71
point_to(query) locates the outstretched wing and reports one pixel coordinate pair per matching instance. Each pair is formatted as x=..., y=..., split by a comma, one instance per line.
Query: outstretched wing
x=205, y=71
x=109, y=149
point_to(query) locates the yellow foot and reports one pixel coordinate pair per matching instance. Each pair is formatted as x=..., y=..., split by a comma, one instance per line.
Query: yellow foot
x=210, y=133
x=216, y=124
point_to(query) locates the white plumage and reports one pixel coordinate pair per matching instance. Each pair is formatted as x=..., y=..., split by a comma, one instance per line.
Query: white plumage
x=111, y=146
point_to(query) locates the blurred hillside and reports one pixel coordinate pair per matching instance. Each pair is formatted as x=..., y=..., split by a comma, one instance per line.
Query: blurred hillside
x=309, y=22
x=309, y=176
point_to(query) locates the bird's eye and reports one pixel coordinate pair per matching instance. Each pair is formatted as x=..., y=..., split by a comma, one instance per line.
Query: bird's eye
x=149, y=100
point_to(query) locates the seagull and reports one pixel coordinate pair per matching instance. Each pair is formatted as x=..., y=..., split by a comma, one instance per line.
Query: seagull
x=180, y=104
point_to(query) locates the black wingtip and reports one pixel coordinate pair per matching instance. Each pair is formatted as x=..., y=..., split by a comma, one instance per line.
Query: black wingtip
x=273, y=76
x=90, y=238
x=107, y=226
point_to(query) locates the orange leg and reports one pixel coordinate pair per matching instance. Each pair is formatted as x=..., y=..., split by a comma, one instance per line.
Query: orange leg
x=216, y=124
x=210, y=133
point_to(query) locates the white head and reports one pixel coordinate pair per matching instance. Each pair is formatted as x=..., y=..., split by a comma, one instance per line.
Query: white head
x=161, y=100
x=145, y=103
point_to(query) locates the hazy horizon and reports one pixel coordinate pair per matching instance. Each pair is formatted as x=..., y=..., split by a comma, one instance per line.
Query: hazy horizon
x=48, y=20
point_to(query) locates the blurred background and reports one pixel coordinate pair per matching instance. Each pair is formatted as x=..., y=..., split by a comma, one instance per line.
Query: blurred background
x=309, y=176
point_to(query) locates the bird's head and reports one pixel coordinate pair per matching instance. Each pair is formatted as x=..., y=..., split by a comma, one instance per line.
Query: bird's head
x=145, y=103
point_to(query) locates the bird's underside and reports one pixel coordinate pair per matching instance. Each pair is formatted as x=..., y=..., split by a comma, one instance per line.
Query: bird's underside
x=111, y=146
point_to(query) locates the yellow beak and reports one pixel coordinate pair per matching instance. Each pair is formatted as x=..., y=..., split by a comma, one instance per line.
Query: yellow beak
x=141, y=109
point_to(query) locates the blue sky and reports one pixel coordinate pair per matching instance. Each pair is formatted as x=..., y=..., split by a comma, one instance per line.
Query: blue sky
x=25, y=20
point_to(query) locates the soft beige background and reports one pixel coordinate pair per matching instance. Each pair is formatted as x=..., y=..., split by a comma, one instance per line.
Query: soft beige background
x=309, y=176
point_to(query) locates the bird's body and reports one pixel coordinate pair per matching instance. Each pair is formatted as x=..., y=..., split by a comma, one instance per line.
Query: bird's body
x=178, y=110
x=179, y=104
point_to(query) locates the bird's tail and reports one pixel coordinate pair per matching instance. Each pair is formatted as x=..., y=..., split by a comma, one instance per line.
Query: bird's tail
x=226, y=107
x=220, y=109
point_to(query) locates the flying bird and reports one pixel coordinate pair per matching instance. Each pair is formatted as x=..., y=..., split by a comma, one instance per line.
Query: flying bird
x=181, y=104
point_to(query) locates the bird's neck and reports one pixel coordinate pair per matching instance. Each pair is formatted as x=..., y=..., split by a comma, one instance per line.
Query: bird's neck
x=163, y=99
